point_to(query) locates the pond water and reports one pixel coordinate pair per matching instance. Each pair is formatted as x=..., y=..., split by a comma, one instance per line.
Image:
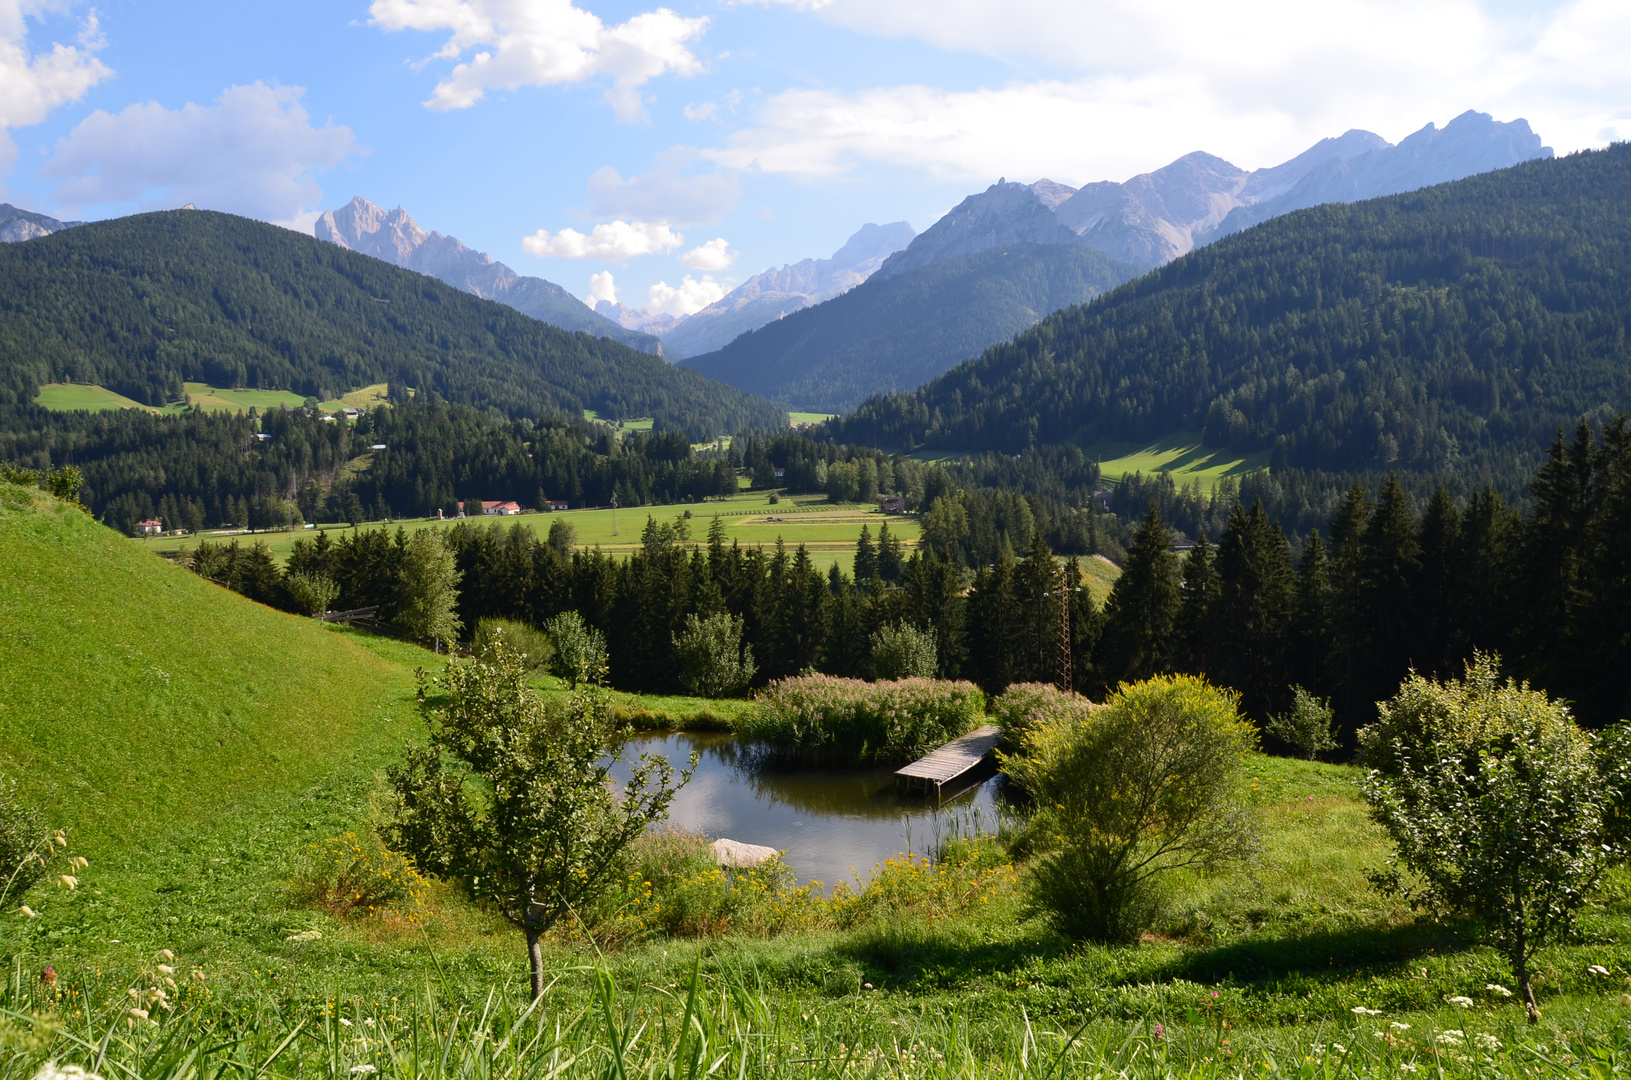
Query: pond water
x=834, y=824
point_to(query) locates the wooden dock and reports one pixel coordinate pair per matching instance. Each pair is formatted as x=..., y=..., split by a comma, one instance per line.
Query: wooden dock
x=946, y=764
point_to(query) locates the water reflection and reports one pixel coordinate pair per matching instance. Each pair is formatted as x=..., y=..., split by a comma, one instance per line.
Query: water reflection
x=834, y=824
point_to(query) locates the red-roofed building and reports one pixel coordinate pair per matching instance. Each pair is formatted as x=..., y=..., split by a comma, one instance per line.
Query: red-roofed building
x=500, y=509
x=152, y=528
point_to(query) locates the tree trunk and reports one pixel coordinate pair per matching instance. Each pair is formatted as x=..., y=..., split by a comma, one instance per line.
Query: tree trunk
x=535, y=959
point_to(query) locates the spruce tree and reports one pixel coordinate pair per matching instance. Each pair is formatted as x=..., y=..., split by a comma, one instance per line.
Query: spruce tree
x=1139, y=616
x=1440, y=640
x=866, y=557
x=1198, y=593
x=1310, y=633
x=1256, y=602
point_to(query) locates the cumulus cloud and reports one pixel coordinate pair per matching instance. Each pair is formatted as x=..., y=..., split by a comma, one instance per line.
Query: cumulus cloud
x=710, y=256
x=602, y=287
x=613, y=241
x=508, y=44
x=708, y=110
x=1140, y=84
x=687, y=298
x=664, y=194
x=34, y=84
x=253, y=152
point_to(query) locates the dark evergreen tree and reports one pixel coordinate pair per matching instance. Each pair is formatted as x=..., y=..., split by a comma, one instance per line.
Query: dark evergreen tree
x=1198, y=600
x=1142, y=608
x=1254, y=612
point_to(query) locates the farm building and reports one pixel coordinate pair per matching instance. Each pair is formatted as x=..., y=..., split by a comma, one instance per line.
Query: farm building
x=892, y=504
x=556, y=504
x=152, y=528
x=500, y=509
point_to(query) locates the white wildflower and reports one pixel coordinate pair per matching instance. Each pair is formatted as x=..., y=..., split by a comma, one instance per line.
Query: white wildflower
x=1338, y=1048
x=1406, y=1067
x=1597, y=969
x=344, y=1021
x=166, y=969
x=26, y=910
x=140, y=1014
x=363, y=1070
x=1495, y=988
x=305, y=935
x=1487, y=1042
x=68, y=881
x=1360, y=1010
x=1452, y=1037
x=1460, y=1001
x=52, y=1071
x=1399, y=1025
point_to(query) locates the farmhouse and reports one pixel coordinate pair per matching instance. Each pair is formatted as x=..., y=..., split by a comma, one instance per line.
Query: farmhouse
x=556, y=504
x=152, y=528
x=892, y=504
x=500, y=509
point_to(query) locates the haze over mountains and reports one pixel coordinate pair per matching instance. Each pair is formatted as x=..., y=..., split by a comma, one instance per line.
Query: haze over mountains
x=812, y=361
x=1157, y=216
x=774, y=293
x=397, y=238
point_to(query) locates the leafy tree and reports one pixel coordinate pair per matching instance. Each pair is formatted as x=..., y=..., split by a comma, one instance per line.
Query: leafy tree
x=563, y=537
x=1127, y=795
x=1493, y=799
x=902, y=651
x=580, y=649
x=1309, y=725
x=544, y=835
x=312, y=594
x=712, y=660
x=430, y=582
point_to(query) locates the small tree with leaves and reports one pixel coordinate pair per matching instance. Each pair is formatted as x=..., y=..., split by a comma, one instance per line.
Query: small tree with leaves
x=430, y=588
x=512, y=799
x=1309, y=725
x=311, y=593
x=712, y=660
x=1494, y=801
x=903, y=651
x=580, y=649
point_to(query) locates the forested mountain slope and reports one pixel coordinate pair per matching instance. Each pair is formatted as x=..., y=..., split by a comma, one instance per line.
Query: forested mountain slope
x=1455, y=326
x=141, y=304
x=893, y=333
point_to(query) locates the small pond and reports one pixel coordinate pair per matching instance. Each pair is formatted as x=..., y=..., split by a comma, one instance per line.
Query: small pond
x=834, y=824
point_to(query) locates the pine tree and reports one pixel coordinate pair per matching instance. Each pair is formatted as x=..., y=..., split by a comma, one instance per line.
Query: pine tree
x=866, y=557
x=1199, y=593
x=1256, y=601
x=1440, y=643
x=1310, y=632
x=1143, y=605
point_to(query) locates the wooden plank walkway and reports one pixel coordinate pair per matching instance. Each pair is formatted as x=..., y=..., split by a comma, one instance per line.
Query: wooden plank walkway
x=949, y=762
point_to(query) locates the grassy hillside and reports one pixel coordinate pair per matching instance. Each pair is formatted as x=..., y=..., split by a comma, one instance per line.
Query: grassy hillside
x=1452, y=329
x=892, y=334
x=135, y=696
x=143, y=304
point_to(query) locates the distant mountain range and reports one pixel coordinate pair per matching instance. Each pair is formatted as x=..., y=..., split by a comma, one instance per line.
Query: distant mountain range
x=1157, y=216
x=772, y=294
x=398, y=239
x=814, y=360
x=1456, y=328
x=18, y=224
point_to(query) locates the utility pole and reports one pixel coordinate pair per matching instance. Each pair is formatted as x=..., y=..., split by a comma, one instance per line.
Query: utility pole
x=614, y=513
x=1064, y=631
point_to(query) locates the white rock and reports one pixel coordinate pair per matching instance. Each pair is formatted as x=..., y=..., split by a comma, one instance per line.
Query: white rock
x=737, y=854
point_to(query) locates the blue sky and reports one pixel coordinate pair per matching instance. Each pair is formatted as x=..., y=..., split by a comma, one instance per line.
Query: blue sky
x=708, y=140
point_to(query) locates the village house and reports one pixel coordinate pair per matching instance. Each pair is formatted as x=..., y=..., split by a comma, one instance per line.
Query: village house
x=892, y=504
x=152, y=528
x=556, y=504
x=508, y=508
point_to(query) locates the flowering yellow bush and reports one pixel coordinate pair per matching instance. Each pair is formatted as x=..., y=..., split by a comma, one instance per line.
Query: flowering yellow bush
x=357, y=875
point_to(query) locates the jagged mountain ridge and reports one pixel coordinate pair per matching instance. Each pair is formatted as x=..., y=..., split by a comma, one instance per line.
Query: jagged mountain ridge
x=774, y=293
x=17, y=224
x=1157, y=216
x=395, y=237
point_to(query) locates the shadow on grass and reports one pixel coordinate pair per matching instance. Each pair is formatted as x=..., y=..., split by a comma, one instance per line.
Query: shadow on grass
x=1333, y=954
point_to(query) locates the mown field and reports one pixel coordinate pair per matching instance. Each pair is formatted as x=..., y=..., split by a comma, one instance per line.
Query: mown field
x=203, y=749
x=829, y=532
x=67, y=397
x=1182, y=454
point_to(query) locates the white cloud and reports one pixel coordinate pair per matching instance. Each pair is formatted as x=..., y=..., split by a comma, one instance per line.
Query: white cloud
x=1142, y=83
x=710, y=256
x=602, y=287
x=520, y=43
x=611, y=242
x=664, y=194
x=33, y=85
x=253, y=152
x=688, y=298
x=708, y=110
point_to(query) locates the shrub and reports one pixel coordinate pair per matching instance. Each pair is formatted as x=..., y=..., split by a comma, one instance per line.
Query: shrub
x=580, y=649
x=30, y=850
x=1310, y=725
x=531, y=646
x=1127, y=794
x=1025, y=707
x=825, y=718
x=903, y=651
x=357, y=875
x=1494, y=802
x=712, y=659
x=311, y=594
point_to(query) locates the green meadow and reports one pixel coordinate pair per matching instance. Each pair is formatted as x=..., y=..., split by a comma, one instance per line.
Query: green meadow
x=67, y=397
x=1182, y=454
x=70, y=397
x=828, y=532
x=202, y=750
